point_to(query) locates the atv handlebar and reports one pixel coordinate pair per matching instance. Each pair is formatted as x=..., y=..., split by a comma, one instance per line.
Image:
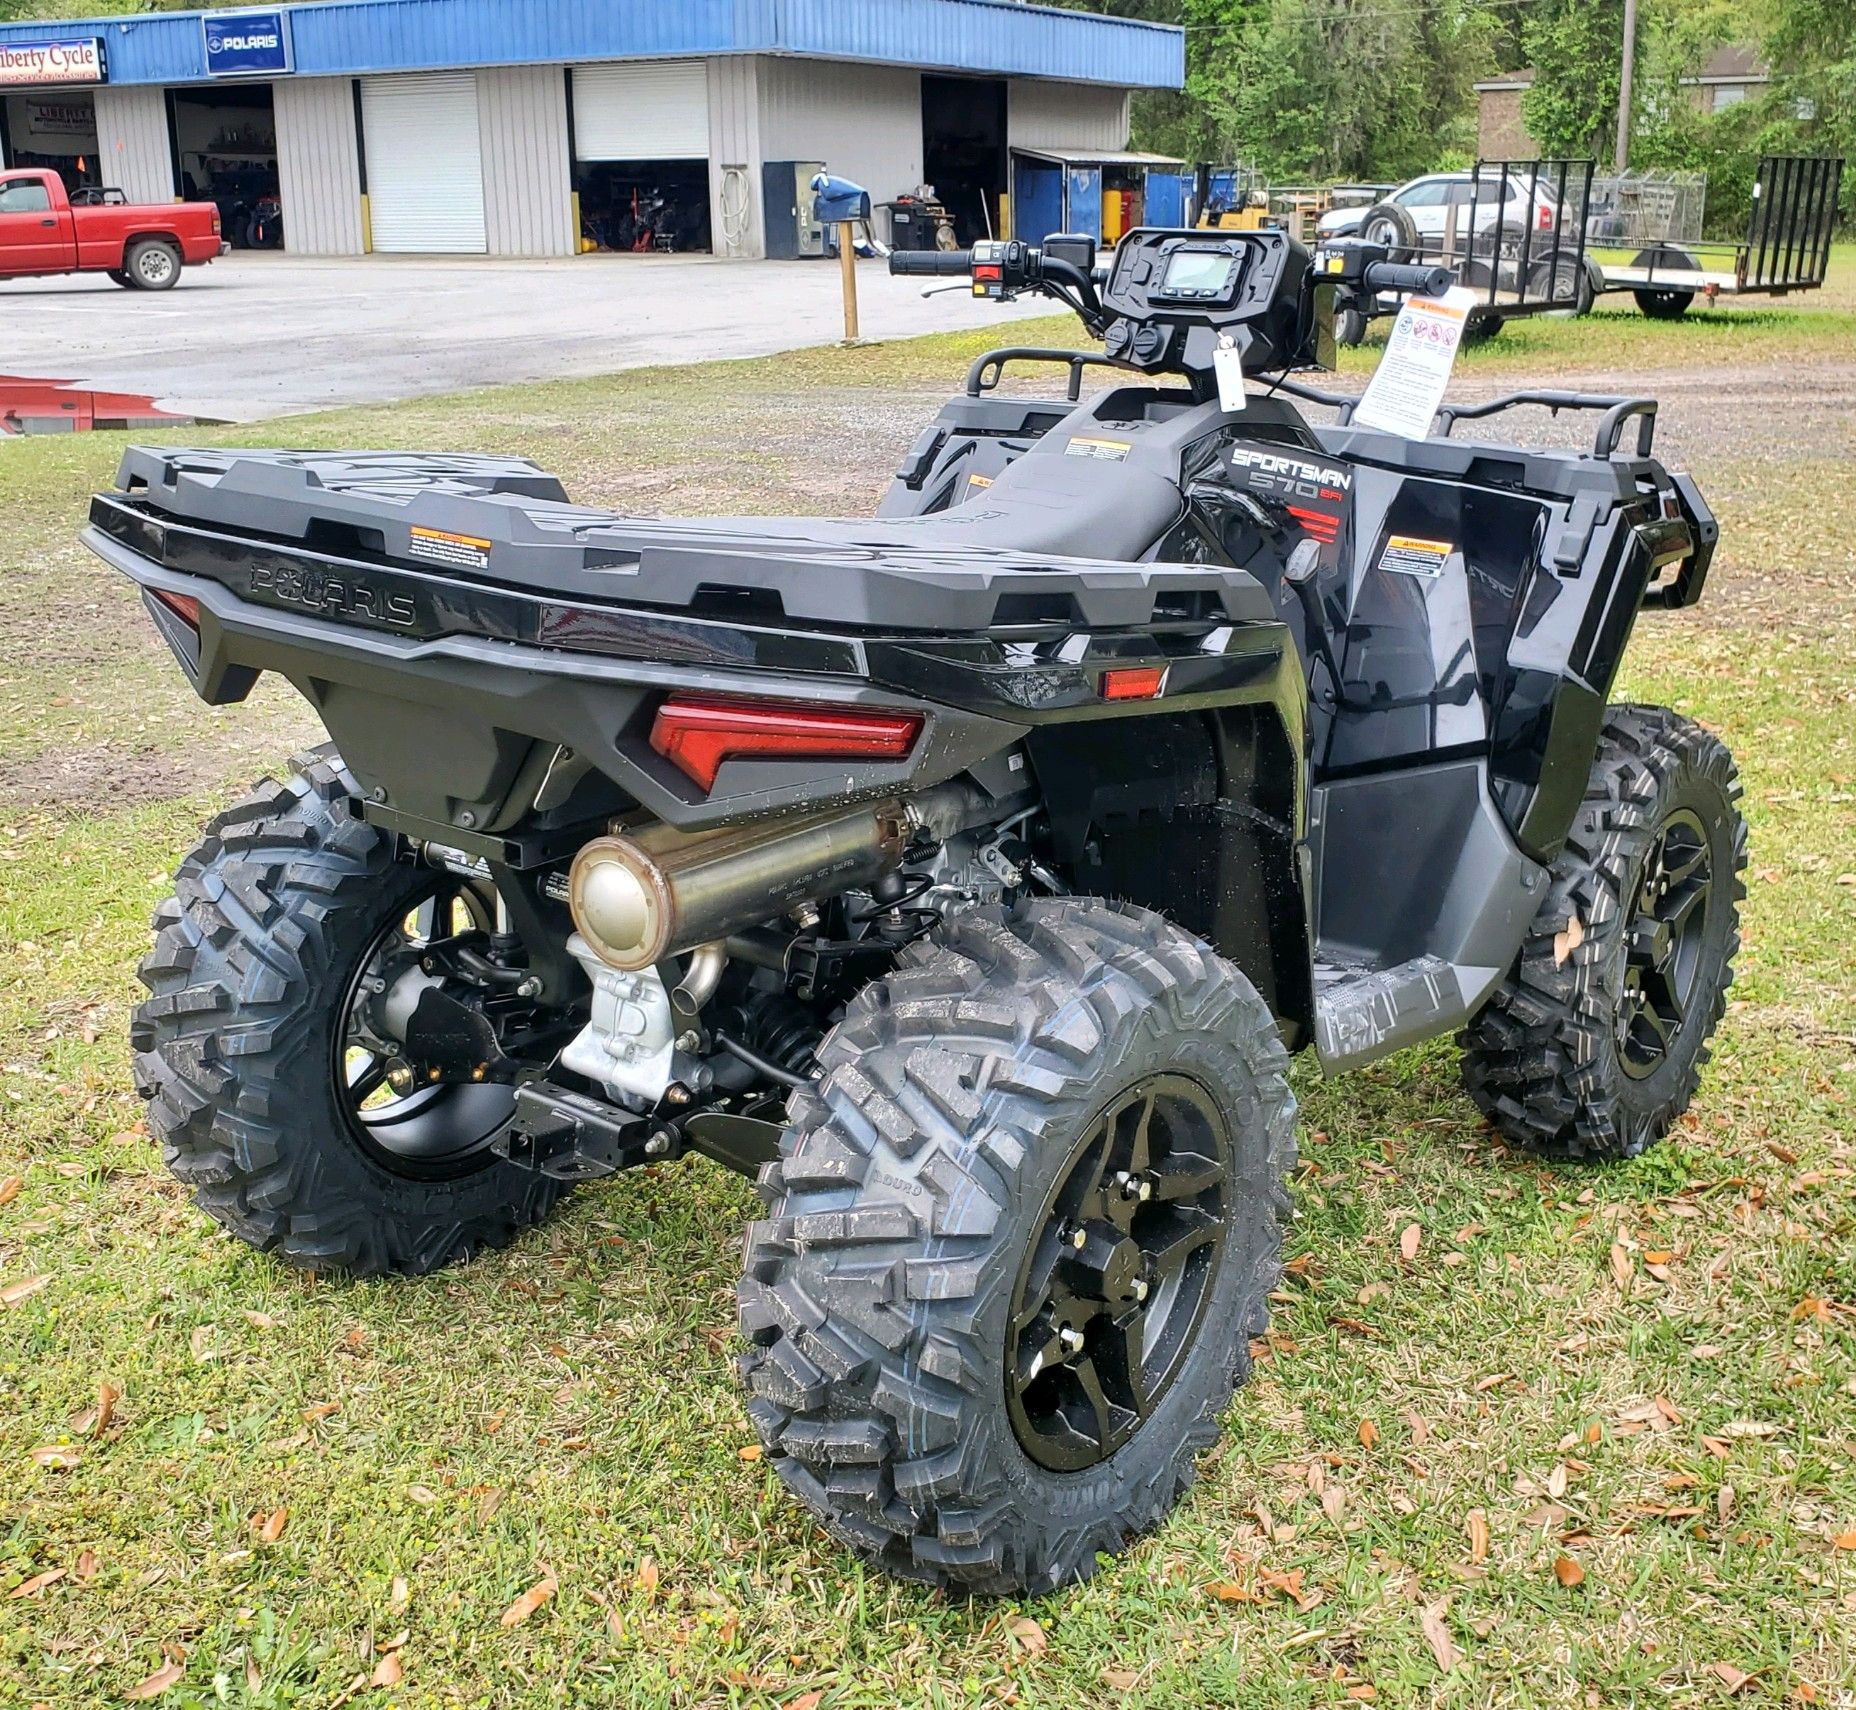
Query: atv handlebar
x=932, y=263
x=1426, y=281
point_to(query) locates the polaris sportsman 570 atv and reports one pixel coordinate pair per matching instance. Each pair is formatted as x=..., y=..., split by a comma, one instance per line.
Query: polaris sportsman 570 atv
x=967, y=874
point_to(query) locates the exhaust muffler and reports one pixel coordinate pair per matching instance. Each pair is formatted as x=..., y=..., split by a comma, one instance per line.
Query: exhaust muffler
x=639, y=897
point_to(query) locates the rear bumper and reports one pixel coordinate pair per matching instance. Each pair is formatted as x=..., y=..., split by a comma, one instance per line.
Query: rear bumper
x=451, y=702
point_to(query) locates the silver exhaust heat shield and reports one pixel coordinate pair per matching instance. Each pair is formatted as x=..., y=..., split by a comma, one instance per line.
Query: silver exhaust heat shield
x=639, y=897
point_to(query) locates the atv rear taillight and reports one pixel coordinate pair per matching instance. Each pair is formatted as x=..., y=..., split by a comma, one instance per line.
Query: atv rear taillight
x=183, y=606
x=1543, y=218
x=1134, y=683
x=697, y=733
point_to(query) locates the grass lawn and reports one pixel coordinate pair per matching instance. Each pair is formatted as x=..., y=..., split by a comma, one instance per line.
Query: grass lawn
x=1594, y=1443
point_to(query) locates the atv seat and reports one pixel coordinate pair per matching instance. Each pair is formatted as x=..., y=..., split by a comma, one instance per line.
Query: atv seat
x=1073, y=507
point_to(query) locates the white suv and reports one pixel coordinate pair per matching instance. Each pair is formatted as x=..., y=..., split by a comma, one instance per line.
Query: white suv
x=1429, y=201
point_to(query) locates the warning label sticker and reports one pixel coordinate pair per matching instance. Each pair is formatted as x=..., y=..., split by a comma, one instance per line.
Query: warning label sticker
x=1088, y=445
x=463, y=551
x=1410, y=557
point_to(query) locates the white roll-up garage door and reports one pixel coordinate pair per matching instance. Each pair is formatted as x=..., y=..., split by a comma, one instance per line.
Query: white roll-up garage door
x=424, y=164
x=649, y=110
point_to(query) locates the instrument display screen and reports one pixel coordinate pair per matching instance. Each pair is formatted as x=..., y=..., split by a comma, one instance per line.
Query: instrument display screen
x=1196, y=270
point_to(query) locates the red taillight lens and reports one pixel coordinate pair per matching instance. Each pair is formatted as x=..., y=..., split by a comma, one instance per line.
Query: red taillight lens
x=1134, y=683
x=1545, y=218
x=697, y=733
x=183, y=606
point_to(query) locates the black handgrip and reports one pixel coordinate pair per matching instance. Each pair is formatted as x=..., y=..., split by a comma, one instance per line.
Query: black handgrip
x=936, y=263
x=1401, y=276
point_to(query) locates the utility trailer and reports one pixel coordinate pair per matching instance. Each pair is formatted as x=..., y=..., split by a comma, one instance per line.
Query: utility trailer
x=1512, y=231
x=1786, y=248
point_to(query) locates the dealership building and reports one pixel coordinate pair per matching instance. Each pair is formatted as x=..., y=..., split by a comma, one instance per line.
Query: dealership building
x=561, y=127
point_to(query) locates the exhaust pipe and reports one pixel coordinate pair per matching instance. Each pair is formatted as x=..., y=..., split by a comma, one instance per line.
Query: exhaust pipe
x=639, y=897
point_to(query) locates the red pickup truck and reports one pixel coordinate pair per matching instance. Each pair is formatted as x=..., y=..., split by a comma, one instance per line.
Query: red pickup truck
x=42, y=230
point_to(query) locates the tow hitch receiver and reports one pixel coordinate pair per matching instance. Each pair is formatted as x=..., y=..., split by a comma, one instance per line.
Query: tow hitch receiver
x=573, y=1138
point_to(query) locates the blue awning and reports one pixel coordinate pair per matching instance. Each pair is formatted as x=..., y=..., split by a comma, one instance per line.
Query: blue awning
x=350, y=37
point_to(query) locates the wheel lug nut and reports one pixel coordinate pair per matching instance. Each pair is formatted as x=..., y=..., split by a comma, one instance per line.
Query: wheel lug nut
x=1069, y=1340
x=1147, y=1191
x=1140, y=1288
x=1079, y=1239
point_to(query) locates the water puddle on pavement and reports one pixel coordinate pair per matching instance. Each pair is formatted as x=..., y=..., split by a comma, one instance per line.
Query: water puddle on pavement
x=58, y=406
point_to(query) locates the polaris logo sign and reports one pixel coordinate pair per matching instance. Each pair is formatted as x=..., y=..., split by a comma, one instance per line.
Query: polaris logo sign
x=247, y=44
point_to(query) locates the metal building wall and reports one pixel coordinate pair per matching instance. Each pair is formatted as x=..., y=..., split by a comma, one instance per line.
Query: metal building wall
x=527, y=189
x=737, y=220
x=134, y=154
x=319, y=165
x=863, y=121
x=1066, y=115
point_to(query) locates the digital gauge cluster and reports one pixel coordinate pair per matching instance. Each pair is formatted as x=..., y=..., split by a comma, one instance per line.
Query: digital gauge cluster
x=1168, y=288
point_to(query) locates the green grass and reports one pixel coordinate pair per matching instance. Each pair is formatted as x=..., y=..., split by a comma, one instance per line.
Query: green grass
x=567, y=1408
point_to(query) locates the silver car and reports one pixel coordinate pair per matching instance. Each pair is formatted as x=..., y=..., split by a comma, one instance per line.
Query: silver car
x=1429, y=202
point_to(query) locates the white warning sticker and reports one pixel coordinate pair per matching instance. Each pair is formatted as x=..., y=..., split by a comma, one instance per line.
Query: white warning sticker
x=1409, y=556
x=439, y=546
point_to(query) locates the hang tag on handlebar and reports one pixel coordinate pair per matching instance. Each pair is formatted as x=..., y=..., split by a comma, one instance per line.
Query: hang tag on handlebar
x=1228, y=367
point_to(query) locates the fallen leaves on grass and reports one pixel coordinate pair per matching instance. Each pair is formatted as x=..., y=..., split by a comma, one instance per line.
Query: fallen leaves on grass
x=59, y=1457
x=1437, y=1634
x=806, y=1700
x=1409, y=1241
x=167, y=1675
x=1568, y=1572
x=389, y=1671
x=1120, y=1679
x=37, y=1583
x=1369, y=1434
x=271, y=1526
x=25, y=1289
x=749, y=1451
x=648, y=1576
x=1733, y=1678
x=1845, y=1540
x=530, y=1600
x=1476, y=1524
x=1620, y=1265
x=86, y=1565
x=9, y=1189
x=1029, y=1636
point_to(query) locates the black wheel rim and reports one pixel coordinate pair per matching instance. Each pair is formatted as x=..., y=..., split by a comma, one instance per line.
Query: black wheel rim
x=430, y=1132
x=1112, y=1291
x=1664, y=938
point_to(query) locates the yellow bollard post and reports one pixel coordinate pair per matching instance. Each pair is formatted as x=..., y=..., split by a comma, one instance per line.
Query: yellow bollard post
x=847, y=268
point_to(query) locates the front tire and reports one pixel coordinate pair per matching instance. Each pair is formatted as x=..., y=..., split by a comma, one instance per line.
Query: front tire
x=1594, y=1044
x=1018, y=1241
x=241, y=1050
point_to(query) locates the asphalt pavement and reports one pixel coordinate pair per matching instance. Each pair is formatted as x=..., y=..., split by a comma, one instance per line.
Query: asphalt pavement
x=257, y=335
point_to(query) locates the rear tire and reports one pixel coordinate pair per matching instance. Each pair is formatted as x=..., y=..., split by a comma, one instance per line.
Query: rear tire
x=152, y=264
x=1592, y=1049
x=908, y=1368
x=1349, y=327
x=1664, y=305
x=118, y=277
x=1660, y=304
x=255, y=956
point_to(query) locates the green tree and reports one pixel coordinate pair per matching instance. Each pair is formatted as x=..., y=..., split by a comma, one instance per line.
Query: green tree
x=1576, y=50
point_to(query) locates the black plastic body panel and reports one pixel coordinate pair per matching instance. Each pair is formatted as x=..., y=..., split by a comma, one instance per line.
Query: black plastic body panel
x=1385, y=662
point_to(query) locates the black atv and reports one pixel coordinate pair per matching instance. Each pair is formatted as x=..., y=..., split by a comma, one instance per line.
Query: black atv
x=966, y=874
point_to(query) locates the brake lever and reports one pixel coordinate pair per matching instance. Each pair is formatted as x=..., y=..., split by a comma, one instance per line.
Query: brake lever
x=942, y=290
